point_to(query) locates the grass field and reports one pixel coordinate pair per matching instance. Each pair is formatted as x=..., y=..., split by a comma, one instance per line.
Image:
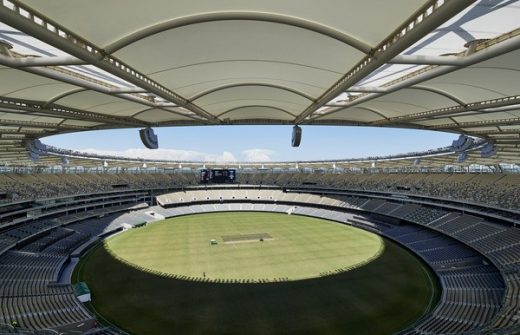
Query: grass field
x=301, y=247
x=380, y=297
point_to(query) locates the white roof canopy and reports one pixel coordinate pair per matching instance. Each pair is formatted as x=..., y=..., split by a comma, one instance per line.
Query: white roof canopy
x=449, y=65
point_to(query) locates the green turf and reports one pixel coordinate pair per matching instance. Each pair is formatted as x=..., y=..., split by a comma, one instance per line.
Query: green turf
x=380, y=297
x=301, y=247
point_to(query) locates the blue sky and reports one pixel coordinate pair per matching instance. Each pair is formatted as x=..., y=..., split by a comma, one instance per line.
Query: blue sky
x=255, y=143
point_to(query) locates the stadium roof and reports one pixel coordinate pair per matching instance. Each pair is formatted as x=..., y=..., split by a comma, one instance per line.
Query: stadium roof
x=76, y=65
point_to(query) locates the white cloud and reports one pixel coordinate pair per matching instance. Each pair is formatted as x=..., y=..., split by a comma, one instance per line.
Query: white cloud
x=258, y=155
x=250, y=155
x=168, y=154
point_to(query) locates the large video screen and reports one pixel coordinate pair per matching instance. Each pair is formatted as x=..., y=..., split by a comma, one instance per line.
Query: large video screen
x=218, y=176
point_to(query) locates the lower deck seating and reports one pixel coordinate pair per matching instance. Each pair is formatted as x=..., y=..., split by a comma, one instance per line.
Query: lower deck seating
x=477, y=261
x=29, y=294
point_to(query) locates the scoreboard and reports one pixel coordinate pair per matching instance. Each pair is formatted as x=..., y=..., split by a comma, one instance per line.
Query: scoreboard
x=218, y=176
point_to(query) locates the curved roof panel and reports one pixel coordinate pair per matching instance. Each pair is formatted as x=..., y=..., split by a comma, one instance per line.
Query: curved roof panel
x=447, y=65
x=134, y=16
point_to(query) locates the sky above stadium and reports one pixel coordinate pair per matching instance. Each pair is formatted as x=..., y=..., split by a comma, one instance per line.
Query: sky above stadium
x=254, y=143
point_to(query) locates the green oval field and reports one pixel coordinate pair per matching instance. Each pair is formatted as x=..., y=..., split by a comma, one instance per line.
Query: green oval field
x=247, y=246
x=307, y=276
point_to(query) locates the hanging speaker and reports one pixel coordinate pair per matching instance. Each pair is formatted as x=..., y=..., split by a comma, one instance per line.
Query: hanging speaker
x=489, y=150
x=462, y=143
x=149, y=138
x=296, y=136
x=35, y=149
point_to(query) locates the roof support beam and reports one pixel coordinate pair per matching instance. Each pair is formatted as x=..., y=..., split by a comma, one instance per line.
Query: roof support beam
x=425, y=20
x=494, y=132
x=27, y=20
x=453, y=110
x=123, y=93
x=29, y=132
x=439, y=92
x=67, y=112
x=239, y=16
x=45, y=125
x=253, y=106
x=378, y=89
x=63, y=95
x=485, y=50
x=239, y=85
x=483, y=123
x=51, y=73
x=19, y=62
x=427, y=60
